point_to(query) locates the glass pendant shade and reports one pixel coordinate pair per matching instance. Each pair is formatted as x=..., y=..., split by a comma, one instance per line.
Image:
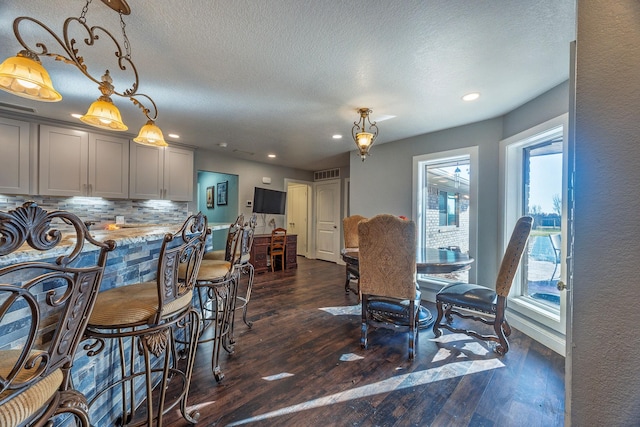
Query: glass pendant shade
x=24, y=76
x=150, y=134
x=105, y=115
x=364, y=140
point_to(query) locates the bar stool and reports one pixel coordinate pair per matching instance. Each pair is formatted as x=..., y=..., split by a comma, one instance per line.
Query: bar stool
x=45, y=307
x=245, y=266
x=216, y=291
x=225, y=254
x=243, y=260
x=150, y=319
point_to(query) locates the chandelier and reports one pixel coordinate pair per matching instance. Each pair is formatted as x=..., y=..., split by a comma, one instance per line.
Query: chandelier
x=23, y=75
x=364, y=138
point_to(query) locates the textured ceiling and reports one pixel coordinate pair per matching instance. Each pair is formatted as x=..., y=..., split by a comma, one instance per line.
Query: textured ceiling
x=283, y=76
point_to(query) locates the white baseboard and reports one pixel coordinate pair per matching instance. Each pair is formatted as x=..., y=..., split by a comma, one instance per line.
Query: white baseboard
x=544, y=336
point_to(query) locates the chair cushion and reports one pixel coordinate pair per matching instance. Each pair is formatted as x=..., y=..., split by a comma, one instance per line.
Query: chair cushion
x=213, y=270
x=132, y=305
x=216, y=255
x=469, y=296
x=23, y=405
x=391, y=310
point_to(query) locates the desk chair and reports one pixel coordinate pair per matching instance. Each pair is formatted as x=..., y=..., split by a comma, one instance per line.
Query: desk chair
x=277, y=246
x=45, y=307
x=484, y=300
x=387, y=258
x=350, y=231
x=144, y=323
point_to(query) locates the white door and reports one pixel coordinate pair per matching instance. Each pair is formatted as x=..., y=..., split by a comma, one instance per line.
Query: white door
x=327, y=220
x=297, y=196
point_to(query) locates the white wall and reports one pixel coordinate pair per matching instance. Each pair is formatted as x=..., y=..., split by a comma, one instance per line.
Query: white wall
x=606, y=366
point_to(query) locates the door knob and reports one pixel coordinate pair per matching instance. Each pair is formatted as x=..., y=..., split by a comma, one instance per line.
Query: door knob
x=561, y=286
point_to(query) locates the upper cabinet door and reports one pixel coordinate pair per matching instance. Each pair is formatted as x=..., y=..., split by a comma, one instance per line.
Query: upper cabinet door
x=64, y=155
x=108, y=167
x=178, y=174
x=146, y=172
x=14, y=161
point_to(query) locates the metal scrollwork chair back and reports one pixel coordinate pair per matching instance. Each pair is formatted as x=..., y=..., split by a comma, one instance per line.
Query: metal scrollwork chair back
x=44, y=307
x=151, y=317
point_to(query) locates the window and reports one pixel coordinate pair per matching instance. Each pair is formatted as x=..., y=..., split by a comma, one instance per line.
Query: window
x=448, y=208
x=444, y=204
x=534, y=178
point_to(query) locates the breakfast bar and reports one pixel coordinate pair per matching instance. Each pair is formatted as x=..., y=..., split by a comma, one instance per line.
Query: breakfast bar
x=135, y=259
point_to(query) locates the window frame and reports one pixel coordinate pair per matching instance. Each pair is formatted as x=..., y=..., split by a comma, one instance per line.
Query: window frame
x=430, y=285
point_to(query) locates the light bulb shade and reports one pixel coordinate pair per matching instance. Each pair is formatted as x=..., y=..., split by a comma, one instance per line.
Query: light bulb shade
x=26, y=77
x=150, y=134
x=364, y=140
x=105, y=115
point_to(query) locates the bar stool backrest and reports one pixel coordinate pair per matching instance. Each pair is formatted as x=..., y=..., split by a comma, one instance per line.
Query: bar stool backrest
x=44, y=305
x=181, y=249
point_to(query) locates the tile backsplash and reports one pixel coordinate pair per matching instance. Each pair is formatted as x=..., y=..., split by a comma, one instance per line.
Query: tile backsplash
x=102, y=211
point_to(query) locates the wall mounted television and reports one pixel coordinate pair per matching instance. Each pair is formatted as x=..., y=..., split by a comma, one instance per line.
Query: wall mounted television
x=267, y=201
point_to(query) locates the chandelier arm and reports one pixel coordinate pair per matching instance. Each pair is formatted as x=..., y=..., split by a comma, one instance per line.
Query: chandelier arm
x=146, y=111
x=71, y=50
x=355, y=129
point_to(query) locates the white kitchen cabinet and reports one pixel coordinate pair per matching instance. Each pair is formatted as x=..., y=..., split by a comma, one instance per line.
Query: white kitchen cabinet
x=161, y=173
x=78, y=163
x=14, y=161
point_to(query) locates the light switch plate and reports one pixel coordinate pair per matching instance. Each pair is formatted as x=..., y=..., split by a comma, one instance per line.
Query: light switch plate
x=119, y=219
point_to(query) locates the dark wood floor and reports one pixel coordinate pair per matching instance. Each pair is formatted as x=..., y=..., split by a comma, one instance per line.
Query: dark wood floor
x=302, y=366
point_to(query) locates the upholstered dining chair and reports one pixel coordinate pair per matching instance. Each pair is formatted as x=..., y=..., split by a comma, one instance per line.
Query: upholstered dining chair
x=483, y=300
x=44, y=307
x=350, y=232
x=387, y=258
x=277, y=246
x=139, y=327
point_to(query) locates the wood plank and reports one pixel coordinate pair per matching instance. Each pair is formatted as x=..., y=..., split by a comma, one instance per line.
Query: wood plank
x=379, y=386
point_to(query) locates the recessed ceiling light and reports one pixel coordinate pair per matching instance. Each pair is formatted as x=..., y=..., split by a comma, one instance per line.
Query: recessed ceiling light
x=76, y=115
x=222, y=144
x=174, y=135
x=337, y=136
x=471, y=96
x=272, y=156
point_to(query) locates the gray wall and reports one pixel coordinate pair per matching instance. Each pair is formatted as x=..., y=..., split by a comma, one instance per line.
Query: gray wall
x=605, y=383
x=383, y=183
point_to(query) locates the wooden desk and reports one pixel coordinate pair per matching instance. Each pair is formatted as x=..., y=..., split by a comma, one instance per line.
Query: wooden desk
x=260, y=252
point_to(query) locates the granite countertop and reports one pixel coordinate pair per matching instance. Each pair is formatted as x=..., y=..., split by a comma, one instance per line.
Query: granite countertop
x=133, y=233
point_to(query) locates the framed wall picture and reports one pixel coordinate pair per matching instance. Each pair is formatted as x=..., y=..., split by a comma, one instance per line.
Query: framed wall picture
x=222, y=192
x=210, y=197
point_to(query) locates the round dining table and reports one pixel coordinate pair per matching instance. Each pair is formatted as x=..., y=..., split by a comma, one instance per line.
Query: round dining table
x=428, y=261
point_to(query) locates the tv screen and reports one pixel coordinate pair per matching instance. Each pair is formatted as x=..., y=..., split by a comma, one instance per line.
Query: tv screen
x=269, y=201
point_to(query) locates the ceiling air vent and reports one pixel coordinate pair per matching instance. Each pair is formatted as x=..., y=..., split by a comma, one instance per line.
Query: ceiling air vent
x=14, y=107
x=326, y=174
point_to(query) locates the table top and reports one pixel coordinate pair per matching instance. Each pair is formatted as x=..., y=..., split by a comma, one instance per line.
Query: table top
x=428, y=260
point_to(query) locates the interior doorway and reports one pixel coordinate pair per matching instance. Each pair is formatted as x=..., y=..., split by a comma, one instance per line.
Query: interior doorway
x=328, y=220
x=297, y=222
